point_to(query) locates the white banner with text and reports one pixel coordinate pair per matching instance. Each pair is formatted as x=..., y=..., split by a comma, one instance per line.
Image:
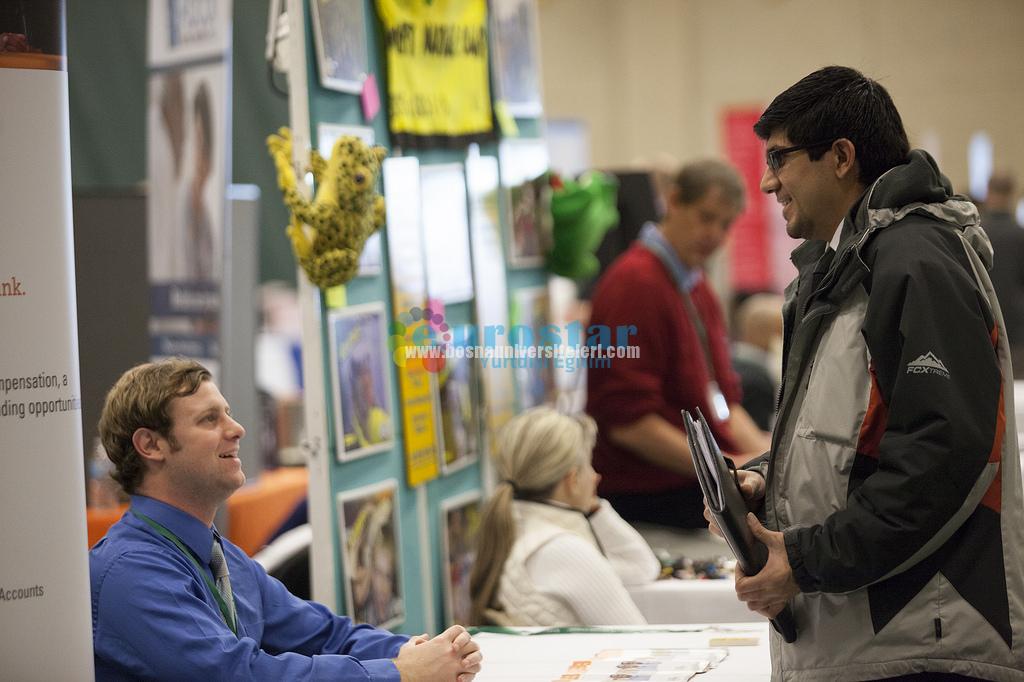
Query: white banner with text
x=45, y=621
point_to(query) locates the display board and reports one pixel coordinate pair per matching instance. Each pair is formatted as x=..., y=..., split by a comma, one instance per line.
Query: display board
x=441, y=279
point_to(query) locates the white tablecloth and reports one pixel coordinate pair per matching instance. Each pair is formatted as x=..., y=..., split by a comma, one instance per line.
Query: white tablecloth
x=546, y=657
x=691, y=601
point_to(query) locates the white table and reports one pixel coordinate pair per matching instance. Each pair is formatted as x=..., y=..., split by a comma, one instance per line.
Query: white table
x=690, y=601
x=547, y=657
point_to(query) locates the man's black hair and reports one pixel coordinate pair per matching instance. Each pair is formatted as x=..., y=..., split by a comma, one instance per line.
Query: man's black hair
x=837, y=102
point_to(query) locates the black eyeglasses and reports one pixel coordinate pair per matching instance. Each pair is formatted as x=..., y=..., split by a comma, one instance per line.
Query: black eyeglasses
x=776, y=157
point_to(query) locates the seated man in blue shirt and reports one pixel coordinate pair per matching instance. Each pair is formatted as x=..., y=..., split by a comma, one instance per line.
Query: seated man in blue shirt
x=166, y=604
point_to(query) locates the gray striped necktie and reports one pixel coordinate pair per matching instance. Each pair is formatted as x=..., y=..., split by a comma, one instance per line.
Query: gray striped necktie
x=220, y=573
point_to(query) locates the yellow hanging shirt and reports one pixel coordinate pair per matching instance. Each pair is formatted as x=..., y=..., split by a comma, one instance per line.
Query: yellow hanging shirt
x=438, y=79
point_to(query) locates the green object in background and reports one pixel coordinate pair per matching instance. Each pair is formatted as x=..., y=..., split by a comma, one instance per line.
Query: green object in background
x=582, y=211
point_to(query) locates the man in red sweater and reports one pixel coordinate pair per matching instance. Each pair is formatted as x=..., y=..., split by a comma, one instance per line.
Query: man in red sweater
x=658, y=286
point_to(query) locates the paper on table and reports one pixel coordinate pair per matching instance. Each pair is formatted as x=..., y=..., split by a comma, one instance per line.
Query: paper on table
x=734, y=641
x=545, y=658
x=643, y=664
x=666, y=665
x=644, y=676
x=713, y=655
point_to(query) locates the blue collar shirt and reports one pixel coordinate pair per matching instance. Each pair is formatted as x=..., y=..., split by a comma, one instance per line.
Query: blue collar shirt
x=686, y=278
x=154, y=616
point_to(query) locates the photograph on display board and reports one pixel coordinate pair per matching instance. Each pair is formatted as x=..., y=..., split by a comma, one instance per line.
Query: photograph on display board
x=401, y=177
x=460, y=522
x=339, y=30
x=364, y=419
x=186, y=32
x=516, y=56
x=446, y=232
x=417, y=386
x=371, y=554
x=370, y=260
x=491, y=297
x=524, y=176
x=459, y=410
x=529, y=200
x=535, y=377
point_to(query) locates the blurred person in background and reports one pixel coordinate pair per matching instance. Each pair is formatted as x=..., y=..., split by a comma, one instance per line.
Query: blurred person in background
x=757, y=354
x=1007, y=272
x=658, y=289
x=550, y=551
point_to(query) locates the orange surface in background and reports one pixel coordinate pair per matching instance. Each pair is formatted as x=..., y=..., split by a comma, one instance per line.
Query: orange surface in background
x=99, y=520
x=31, y=60
x=254, y=512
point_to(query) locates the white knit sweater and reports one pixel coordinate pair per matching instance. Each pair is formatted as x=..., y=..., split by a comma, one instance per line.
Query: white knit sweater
x=556, y=573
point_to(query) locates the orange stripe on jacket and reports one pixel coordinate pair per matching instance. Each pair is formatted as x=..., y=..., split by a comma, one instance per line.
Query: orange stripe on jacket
x=875, y=419
x=993, y=498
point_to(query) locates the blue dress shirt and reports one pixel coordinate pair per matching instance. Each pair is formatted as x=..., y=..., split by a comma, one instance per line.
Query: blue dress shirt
x=685, y=278
x=154, y=616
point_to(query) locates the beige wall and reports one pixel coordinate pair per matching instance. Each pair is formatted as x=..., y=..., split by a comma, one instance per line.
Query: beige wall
x=650, y=76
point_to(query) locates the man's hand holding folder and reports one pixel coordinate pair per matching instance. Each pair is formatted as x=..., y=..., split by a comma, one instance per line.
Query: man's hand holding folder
x=764, y=578
x=767, y=592
x=774, y=585
x=751, y=485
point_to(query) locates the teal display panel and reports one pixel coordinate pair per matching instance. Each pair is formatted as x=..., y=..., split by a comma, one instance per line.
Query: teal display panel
x=424, y=609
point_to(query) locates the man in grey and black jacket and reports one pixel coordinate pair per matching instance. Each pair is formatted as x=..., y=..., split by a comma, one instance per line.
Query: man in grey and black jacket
x=891, y=497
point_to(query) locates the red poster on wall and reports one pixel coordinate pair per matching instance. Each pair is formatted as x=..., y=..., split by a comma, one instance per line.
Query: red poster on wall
x=750, y=248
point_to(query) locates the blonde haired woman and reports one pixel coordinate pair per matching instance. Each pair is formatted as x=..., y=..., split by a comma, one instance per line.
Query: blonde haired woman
x=550, y=552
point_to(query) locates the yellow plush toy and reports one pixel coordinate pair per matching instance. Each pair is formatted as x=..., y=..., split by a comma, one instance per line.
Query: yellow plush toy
x=345, y=211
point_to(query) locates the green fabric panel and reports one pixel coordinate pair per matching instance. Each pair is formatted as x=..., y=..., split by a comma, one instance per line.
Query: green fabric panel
x=257, y=111
x=107, y=87
x=107, y=81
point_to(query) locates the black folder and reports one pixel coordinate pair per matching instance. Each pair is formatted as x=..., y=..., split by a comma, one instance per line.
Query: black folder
x=718, y=481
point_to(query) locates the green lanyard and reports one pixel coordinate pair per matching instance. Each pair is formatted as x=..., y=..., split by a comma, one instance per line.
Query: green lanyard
x=224, y=610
